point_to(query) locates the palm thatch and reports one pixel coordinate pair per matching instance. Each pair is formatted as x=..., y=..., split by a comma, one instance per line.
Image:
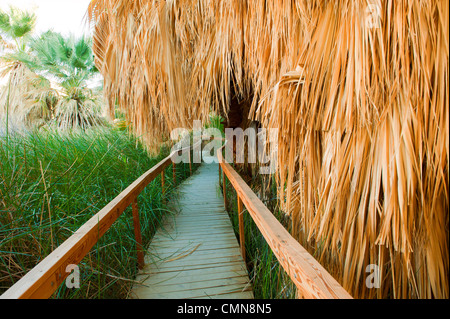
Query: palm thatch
x=360, y=98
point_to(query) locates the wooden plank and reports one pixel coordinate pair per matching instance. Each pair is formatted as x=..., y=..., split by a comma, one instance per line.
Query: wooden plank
x=171, y=222
x=201, y=243
x=185, y=227
x=195, y=293
x=157, y=259
x=203, y=201
x=206, y=215
x=189, y=209
x=199, y=223
x=233, y=295
x=175, y=234
x=180, y=278
x=189, y=237
x=205, y=284
x=228, y=270
x=202, y=211
x=190, y=224
x=190, y=245
x=166, y=233
x=200, y=207
x=225, y=252
x=201, y=246
x=165, y=268
x=209, y=217
x=189, y=229
x=205, y=220
x=197, y=258
x=186, y=263
x=310, y=277
x=193, y=262
x=181, y=269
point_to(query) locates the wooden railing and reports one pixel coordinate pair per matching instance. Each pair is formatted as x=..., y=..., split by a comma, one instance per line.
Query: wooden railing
x=311, y=279
x=44, y=279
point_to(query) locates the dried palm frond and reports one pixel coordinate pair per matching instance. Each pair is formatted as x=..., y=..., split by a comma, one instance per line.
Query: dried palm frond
x=358, y=90
x=27, y=99
x=75, y=114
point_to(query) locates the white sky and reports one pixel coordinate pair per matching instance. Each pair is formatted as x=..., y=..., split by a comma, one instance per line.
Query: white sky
x=64, y=16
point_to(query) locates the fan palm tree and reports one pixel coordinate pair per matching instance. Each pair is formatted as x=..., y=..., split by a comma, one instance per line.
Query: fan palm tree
x=28, y=99
x=68, y=62
x=17, y=26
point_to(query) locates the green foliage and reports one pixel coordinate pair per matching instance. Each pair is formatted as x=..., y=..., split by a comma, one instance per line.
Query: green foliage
x=216, y=121
x=67, y=60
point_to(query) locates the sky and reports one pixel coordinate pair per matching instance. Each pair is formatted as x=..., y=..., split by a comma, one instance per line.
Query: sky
x=64, y=16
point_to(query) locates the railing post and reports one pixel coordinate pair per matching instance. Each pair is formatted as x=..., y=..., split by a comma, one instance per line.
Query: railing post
x=137, y=234
x=174, y=176
x=190, y=163
x=224, y=185
x=162, y=184
x=241, y=226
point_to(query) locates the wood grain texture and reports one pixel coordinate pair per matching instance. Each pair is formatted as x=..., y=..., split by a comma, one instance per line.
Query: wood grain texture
x=241, y=227
x=195, y=254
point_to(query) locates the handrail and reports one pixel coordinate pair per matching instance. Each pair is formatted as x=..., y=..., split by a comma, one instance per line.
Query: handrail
x=310, y=277
x=43, y=280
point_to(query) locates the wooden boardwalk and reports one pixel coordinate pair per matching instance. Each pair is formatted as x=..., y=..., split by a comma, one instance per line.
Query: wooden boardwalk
x=195, y=254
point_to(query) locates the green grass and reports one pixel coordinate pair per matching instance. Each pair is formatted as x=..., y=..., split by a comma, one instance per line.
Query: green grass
x=52, y=183
x=269, y=280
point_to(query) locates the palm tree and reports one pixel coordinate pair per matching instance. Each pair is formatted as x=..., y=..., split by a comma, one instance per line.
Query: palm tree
x=28, y=99
x=69, y=63
x=17, y=26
